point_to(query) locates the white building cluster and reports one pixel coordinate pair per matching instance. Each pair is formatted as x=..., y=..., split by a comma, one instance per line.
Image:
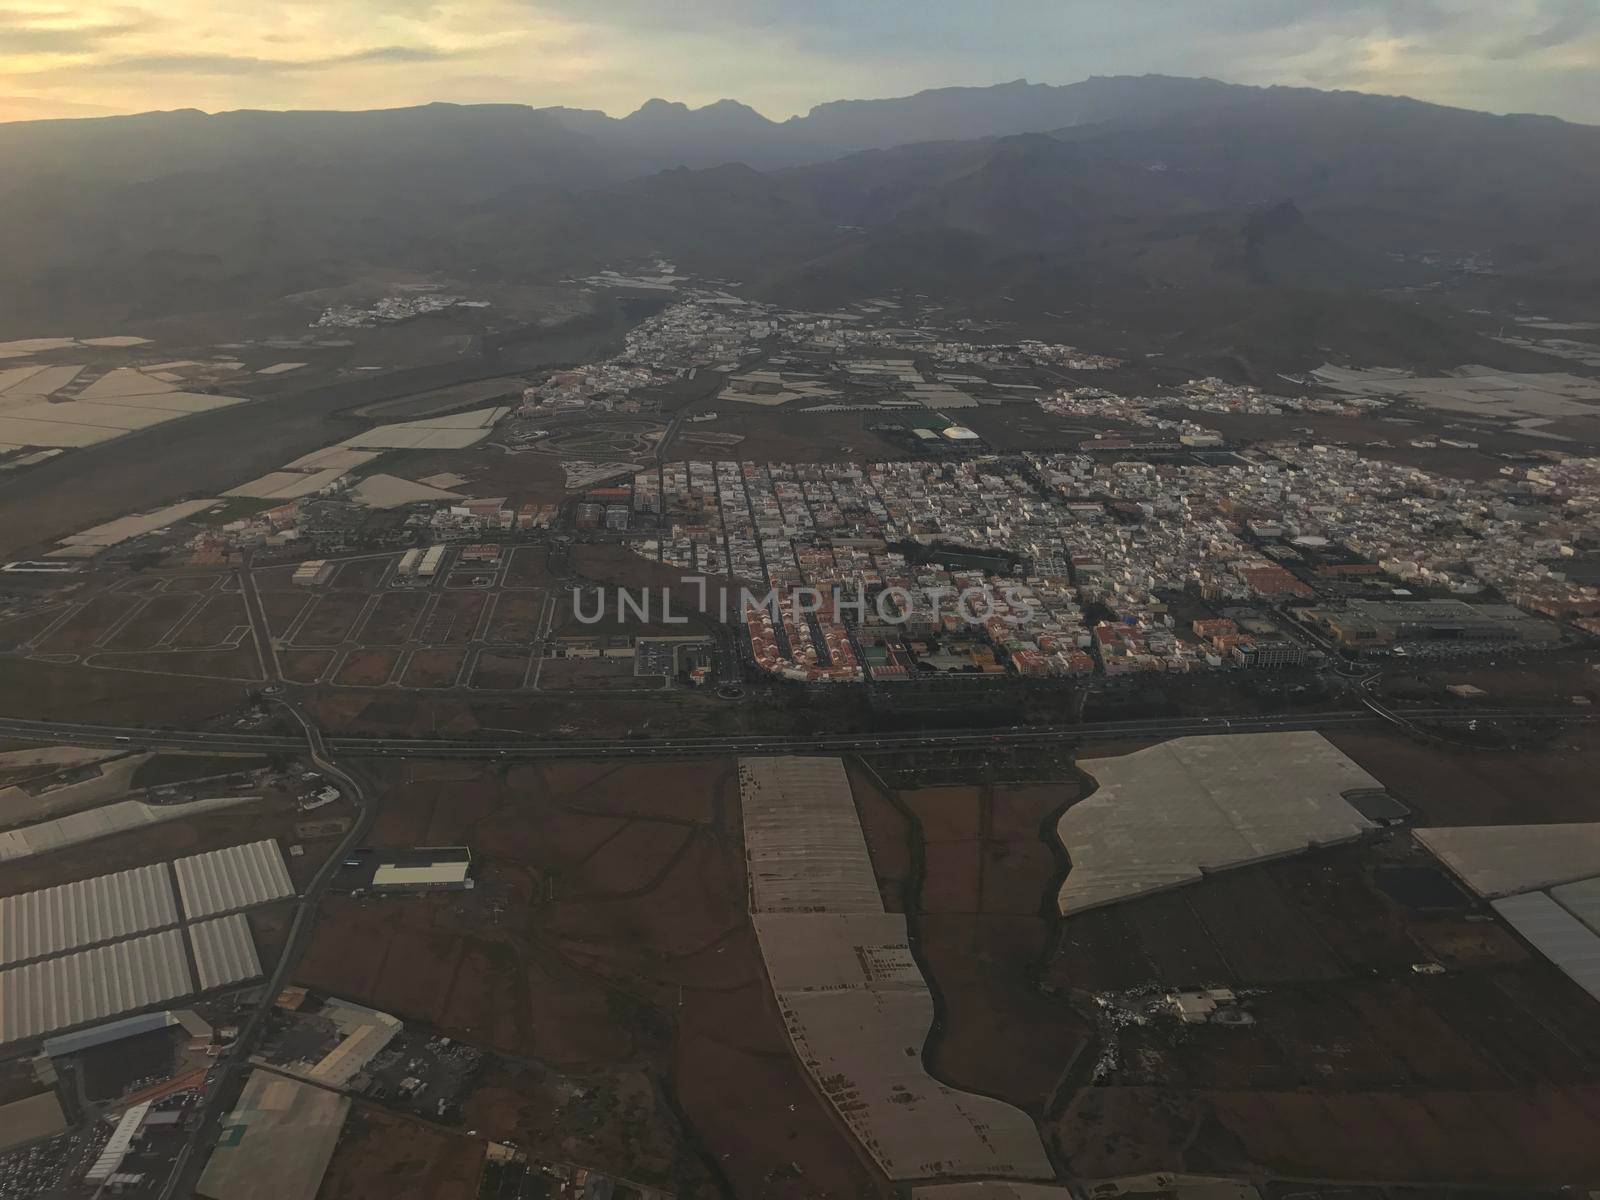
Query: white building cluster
x=1121, y=534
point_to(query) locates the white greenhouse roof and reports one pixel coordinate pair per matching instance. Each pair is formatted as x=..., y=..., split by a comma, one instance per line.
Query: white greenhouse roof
x=1556, y=934
x=232, y=878
x=86, y=913
x=224, y=951
x=60, y=993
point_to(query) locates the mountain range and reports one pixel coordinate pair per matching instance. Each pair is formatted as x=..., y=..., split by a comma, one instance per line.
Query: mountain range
x=1119, y=191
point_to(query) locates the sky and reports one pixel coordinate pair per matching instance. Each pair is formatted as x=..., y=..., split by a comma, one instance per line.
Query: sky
x=62, y=59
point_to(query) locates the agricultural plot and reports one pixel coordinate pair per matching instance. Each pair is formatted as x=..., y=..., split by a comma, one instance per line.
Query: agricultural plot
x=607, y=936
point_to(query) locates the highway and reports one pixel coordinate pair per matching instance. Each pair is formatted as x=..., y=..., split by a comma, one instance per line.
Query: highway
x=224, y=1089
x=532, y=747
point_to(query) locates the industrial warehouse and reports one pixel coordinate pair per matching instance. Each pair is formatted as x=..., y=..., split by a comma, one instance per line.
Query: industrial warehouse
x=422, y=869
x=1366, y=623
x=277, y=1141
x=114, y=944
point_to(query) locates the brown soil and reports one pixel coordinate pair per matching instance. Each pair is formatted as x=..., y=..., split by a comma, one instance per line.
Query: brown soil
x=367, y=668
x=608, y=935
x=384, y=1154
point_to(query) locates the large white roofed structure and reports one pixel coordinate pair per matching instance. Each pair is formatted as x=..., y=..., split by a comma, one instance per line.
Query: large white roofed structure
x=60, y=993
x=1166, y=815
x=806, y=853
x=1501, y=860
x=232, y=878
x=224, y=951
x=853, y=999
x=75, y=915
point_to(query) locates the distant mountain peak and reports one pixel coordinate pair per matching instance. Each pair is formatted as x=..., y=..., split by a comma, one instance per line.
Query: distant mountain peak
x=657, y=107
x=727, y=116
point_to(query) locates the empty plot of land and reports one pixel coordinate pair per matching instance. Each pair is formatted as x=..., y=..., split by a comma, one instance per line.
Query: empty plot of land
x=1165, y=815
x=367, y=668
x=517, y=617
x=433, y=668
x=331, y=620
x=86, y=626
x=454, y=619
x=1500, y=860
x=51, y=756
x=153, y=622
x=854, y=1003
x=221, y=621
x=500, y=670
x=392, y=620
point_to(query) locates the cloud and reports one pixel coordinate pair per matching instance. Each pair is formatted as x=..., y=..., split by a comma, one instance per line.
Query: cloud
x=239, y=64
x=1570, y=22
x=33, y=108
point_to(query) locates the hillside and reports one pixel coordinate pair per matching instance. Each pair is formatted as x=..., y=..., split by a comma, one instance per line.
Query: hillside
x=1131, y=187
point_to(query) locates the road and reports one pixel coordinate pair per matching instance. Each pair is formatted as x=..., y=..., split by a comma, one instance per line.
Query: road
x=260, y=631
x=224, y=1090
x=817, y=743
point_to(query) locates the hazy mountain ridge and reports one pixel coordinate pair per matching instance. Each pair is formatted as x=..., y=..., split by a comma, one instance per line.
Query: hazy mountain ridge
x=1139, y=185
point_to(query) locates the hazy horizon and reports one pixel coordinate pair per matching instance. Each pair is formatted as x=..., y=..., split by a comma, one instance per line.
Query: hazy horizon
x=619, y=113
x=1538, y=56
